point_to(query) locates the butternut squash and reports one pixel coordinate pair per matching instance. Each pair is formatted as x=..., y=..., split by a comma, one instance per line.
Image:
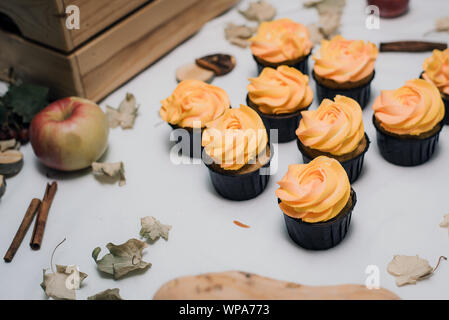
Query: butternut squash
x=236, y=285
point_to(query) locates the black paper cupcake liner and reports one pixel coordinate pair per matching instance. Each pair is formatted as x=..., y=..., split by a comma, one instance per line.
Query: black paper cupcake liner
x=286, y=124
x=239, y=187
x=446, y=105
x=360, y=94
x=406, y=151
x=446, y=111
x=191, y=149
x=302, y=65
x=320, y=235
x=353, y=167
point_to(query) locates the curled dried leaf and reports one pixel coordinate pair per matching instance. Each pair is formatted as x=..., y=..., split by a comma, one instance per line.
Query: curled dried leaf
x=445, y=222
x=410, y=269
x=122, y=259
x=125, y=115
x=329, y=12
x=153, y=229
x=61, y=285
x=259, y=11
x=109, y=294
x=315, y=34
x=239, y=34
x=442, y=24
x=112, y=170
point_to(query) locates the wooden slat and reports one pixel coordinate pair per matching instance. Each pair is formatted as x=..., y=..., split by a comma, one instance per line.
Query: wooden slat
x=37, y=64
x=97, y=15
x=137, y=54
x=44, y=20
x=103, y=64
x=131, y=30
x=37, y=20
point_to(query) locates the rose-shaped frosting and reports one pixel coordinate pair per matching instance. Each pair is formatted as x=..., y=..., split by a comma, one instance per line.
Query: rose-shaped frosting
x=335, y=127
x=436, y=70
x=314, y=192
x=281, y=90
x=345, y=60
x=236, y=138
x=281, y=40
x=412, y=109
x=194, y=103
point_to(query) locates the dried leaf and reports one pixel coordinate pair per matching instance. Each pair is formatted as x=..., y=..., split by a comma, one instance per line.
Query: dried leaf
x=122, y=259
x=442, y=24
x=445, y=223
x=315, y=34
x=62, y=284
x=153, y=229
x=124, y=115
x=259, y=11
x=112, y=170
x=330, y=12
x=9, y=144
x=238, y=34
x=109, y=294
x=409, y=269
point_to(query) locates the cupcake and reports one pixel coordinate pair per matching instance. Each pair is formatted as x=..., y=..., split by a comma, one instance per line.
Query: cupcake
x=279, y=95
x=345, y=67
x=237, y=153
x=436, y=70
x=408, y=122
x=334, y=130
x=192, y=104
x=317, y=201
x=281, y=42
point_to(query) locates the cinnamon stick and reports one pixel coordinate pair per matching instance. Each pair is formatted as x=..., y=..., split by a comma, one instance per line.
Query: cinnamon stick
x=42, y=215
x=24, y=226
x=411, y=46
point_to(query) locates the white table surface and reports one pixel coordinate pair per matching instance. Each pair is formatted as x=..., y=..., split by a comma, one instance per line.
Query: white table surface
x=398, y=210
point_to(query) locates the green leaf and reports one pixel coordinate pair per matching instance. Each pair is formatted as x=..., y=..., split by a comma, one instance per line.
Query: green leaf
x=3, y=113
x=26, y=100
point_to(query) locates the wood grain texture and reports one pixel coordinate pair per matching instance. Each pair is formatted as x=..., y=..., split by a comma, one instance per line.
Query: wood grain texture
x=236, y=285
x=107, y=61
x=98, y=15
x=33, y=63
x=44, y=20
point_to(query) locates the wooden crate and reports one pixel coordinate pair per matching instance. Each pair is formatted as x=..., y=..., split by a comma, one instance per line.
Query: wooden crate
x=44, y=20
x=113, y=57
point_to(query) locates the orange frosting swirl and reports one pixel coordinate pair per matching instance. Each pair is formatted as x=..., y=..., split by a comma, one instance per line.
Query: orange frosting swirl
x=281, y=40
x=236, y=138
x=281, y=90
x=412, y=109
x=194, y=103
x=314, y=192
x=436, y=70
x=345, y=60
x=335, y=127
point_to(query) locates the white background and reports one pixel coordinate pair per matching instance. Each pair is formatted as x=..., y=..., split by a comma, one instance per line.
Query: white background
x=398, y=210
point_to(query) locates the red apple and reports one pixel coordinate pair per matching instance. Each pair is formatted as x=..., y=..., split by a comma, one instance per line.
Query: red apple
x=69, y=134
